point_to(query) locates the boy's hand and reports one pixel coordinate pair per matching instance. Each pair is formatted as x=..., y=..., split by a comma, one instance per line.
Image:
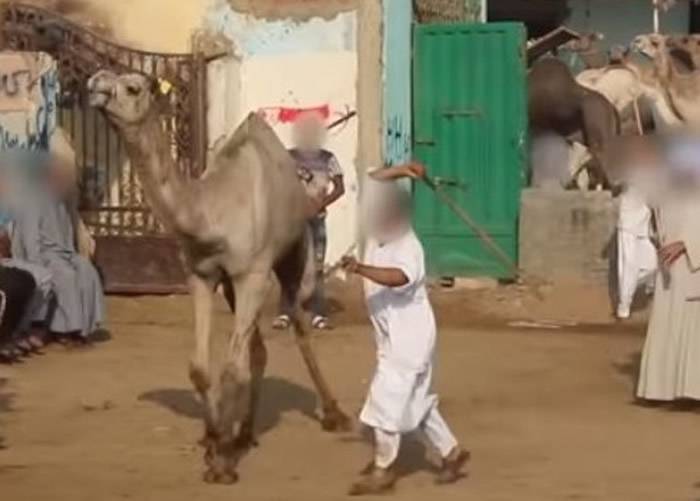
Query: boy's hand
x=670, y=253
x=314, y=207
x=350, y=264
x=416, y=170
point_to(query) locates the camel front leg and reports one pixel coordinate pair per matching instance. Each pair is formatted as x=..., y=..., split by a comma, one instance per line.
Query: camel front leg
x=237, y=378
x=332, y=419
x=202, y=291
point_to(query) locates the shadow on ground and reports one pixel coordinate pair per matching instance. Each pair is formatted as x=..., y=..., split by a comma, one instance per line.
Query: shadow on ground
x=630, y=368
x=278, y=397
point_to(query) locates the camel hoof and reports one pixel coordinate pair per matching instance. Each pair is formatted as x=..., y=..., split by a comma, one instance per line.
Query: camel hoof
x=246, y=442
x=336, y=421
x=222, y=478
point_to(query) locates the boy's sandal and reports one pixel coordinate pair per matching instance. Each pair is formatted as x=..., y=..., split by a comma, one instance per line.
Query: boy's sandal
x=451, y=470
x=282, y=322
x=7, y=356
x=321, y=323
x=374, y=483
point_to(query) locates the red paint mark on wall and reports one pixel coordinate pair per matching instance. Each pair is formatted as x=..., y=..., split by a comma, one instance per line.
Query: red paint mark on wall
x=287, y=115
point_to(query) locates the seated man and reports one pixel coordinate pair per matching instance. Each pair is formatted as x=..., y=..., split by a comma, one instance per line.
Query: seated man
x=44, y=235
x=32, y=328
x=16, y=291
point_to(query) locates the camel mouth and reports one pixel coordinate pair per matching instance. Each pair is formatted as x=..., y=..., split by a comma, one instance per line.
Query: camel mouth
x=100, y=89
x=99, y=98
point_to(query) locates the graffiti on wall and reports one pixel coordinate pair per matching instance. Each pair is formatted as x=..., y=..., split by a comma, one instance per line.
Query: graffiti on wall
x=29, y=89
x=397, y=143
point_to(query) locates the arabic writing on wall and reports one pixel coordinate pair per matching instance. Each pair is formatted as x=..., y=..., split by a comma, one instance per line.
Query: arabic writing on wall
x=29, y=90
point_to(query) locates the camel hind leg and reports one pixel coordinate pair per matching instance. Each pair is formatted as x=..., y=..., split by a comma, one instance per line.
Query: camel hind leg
x=296, y=274
x=258, y=361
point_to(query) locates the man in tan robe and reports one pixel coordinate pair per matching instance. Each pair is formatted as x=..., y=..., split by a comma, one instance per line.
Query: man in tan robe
x=670, y=366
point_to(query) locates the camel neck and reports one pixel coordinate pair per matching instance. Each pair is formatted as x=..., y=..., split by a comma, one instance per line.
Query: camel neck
x=150, y=153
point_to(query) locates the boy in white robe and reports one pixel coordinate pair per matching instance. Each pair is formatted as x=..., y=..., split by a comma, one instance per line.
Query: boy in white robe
x=636, y=254
x=400, y=398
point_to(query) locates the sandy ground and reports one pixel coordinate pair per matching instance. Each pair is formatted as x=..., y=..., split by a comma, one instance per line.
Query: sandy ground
x=547, y=414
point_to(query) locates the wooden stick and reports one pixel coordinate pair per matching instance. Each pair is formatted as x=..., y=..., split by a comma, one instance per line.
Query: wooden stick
x=475, y=227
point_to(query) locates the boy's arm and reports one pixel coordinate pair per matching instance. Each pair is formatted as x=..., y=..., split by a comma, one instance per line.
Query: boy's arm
x=388, y=277
x=413, y=170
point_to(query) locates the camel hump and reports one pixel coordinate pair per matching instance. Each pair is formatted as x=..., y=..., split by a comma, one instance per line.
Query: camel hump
x=254, y=130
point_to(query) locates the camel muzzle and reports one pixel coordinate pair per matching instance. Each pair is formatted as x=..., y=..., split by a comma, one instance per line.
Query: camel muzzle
x=101, y=89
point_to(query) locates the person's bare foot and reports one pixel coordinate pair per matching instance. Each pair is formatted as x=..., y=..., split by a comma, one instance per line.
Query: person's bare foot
x=452, y=465
x=378, y=481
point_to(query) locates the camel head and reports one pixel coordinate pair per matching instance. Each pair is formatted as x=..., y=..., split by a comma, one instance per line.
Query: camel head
x=649, y=45
x=619, y=54
x=126, y=99
x=685, y=52
x=586, y=43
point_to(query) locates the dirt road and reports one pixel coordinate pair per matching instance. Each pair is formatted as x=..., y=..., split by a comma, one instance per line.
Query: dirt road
x=548, y=415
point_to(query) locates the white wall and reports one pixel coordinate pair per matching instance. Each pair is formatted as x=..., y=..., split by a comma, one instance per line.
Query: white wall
x=302, y=86
x=290, y=64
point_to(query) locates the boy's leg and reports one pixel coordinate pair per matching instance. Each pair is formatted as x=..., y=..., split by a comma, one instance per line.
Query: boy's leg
x=452, y=455
x=318, y=300
x=628, y=270
x=386, y=448
x=380, y=478
x=284, y=316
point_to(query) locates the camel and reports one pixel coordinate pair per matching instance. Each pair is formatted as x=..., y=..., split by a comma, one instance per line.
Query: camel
x=556, y=103
x=634, y=90
x=241, y=222
x=588, y=49
x=675, y=73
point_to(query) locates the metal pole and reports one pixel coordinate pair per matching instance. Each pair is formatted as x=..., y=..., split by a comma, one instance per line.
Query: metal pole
x=483, y=12
x=655, y=3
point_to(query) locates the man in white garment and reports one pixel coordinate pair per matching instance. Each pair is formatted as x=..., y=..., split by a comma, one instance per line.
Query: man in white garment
x=636, y=253
x=400, y=398
x=670, y=368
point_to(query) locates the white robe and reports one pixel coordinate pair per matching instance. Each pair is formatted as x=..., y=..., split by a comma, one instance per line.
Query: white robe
x=400, y=395
x=670, y=367
x=637, y=260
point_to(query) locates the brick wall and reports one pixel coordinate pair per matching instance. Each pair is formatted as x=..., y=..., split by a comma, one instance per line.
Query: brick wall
x=565, y=235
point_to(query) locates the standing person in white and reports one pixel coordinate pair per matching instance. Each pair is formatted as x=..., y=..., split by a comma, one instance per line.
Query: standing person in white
x=670, y=368
x=636, y=254
x=400, y=398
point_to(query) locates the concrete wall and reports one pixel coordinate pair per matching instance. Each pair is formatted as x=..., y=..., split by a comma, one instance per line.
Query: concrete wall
x=565, y=235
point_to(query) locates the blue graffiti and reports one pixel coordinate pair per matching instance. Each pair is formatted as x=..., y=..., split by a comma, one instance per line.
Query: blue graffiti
x=397, y=143
x=44, y=120
x=9, y=82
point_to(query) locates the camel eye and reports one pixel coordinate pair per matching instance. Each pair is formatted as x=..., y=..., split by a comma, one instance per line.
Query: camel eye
x=133, y=90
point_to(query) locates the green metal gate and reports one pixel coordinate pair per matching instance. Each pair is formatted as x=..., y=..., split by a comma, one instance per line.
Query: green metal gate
x=470, y=125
